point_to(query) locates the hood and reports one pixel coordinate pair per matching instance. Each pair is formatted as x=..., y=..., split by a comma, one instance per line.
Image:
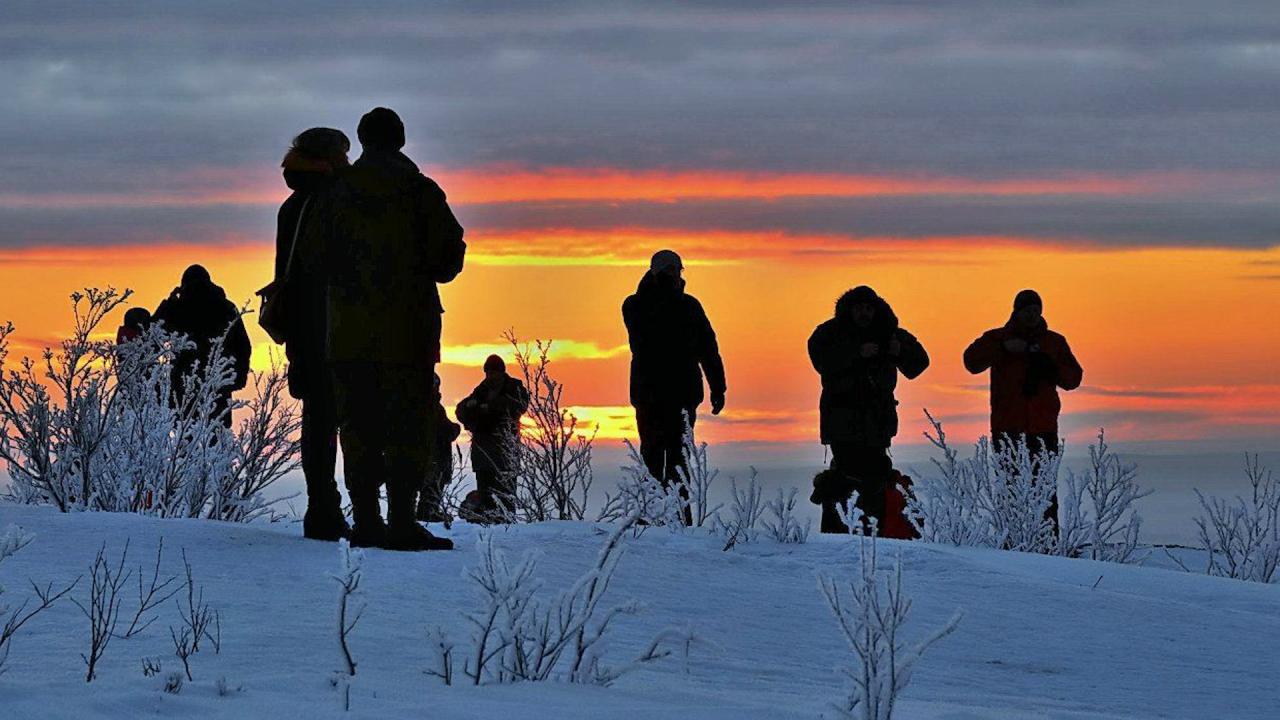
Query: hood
x=885, y=319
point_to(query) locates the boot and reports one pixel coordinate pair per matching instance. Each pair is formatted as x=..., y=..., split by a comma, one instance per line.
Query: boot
x=368, y=530
x=327, y=525
x=403, y=532
x=413, y=537
x=324, y=519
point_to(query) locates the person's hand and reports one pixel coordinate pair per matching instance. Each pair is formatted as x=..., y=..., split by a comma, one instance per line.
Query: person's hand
x=717, y=403
x=869, y=349
x=1015, y=345
x=895, y=347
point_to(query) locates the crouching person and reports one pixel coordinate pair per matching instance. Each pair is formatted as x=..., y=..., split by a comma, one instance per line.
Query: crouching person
x=858, y=354
x=491, y=413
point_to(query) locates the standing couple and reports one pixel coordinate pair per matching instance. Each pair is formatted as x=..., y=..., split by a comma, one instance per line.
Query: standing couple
x=360, y=248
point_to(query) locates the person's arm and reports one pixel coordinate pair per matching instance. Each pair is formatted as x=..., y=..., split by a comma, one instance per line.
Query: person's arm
x=911, y=359
x=241, y=350
x=519, y=399
x=635, y=336
x=709, y=357
x=284, y=236
x=983, y=352
x=1069, y=374
x=828, y=352
x=445, y=249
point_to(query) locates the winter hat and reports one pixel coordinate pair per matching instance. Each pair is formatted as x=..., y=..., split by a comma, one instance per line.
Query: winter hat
x=665, y=260
x=381, y=128
x=1026, y=298
x=493, y=363
x=322, y=143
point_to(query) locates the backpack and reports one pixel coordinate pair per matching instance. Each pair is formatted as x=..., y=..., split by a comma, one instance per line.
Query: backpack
x=896, y=525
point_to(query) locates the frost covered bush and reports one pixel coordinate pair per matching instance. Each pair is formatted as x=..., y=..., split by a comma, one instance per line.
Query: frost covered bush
x=554, y=454
x=783, y=525
x=640, y=494
x=1243, y=537
x=13, y=539
x=993, y=499
x=871, y=617
x=92, y=426
x=746, y=510
x=1099, y=517
x=518, y=636
x=998, y=498
x=698, y=476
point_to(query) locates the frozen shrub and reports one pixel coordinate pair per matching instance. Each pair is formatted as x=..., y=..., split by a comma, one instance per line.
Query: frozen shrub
x=784, y=526
x=994, y=499
x=746, y=508
x=1243, y=537
x=640, y=494
x=13, y=539
x=517, y=636
x=1099, y=517
x=871, y=617
x=554, y=474
x=698, y=476
x=94, y=426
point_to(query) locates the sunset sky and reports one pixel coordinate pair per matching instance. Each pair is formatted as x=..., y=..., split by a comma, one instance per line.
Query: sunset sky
x=1119, y=157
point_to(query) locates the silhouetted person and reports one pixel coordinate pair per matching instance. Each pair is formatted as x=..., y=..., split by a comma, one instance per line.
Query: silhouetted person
x=491, y=413
x=431, y=497
x=1028, y=363
x=136, y=321
x=311, y=166
x=672, y=346
x=200, y=310
x=859, y=353
x=389, y=238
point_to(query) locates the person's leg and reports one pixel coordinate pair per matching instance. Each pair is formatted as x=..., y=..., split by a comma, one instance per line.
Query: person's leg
x=360, y=428
x=408, y=457
x=839, y=486
x=673, y=458
x=870, y=468
x=323, y=519
x=652, y=450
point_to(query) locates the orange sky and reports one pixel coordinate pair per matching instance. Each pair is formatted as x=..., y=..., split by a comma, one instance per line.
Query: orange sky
x=1176, y=343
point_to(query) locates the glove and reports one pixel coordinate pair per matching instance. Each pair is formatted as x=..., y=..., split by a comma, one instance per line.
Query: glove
x=717, y=403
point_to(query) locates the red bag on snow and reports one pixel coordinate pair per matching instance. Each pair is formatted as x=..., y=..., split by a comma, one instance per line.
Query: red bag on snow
x=895, y=524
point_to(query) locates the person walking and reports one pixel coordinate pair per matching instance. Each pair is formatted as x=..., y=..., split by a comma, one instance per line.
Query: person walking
x=672, y=347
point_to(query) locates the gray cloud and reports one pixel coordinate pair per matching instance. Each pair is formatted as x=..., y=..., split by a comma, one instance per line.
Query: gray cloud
x=115, y=96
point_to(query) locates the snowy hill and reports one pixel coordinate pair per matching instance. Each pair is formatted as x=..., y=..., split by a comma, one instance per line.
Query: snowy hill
x=1042, y=637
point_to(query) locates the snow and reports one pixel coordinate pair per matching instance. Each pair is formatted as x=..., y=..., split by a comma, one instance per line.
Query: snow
x=1042, y=637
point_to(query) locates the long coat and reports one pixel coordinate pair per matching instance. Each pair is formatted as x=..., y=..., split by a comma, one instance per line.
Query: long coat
x=1024, y=385
x=491, y=413
x=857, y=405
x=383, y=227
x=304, y=283
x=672, y=346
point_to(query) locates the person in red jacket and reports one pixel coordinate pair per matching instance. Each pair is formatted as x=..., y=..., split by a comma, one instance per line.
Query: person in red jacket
x=1028, y=363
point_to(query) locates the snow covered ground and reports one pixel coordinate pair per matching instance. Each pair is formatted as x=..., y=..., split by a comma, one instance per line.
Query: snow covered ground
x=1041, y=637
